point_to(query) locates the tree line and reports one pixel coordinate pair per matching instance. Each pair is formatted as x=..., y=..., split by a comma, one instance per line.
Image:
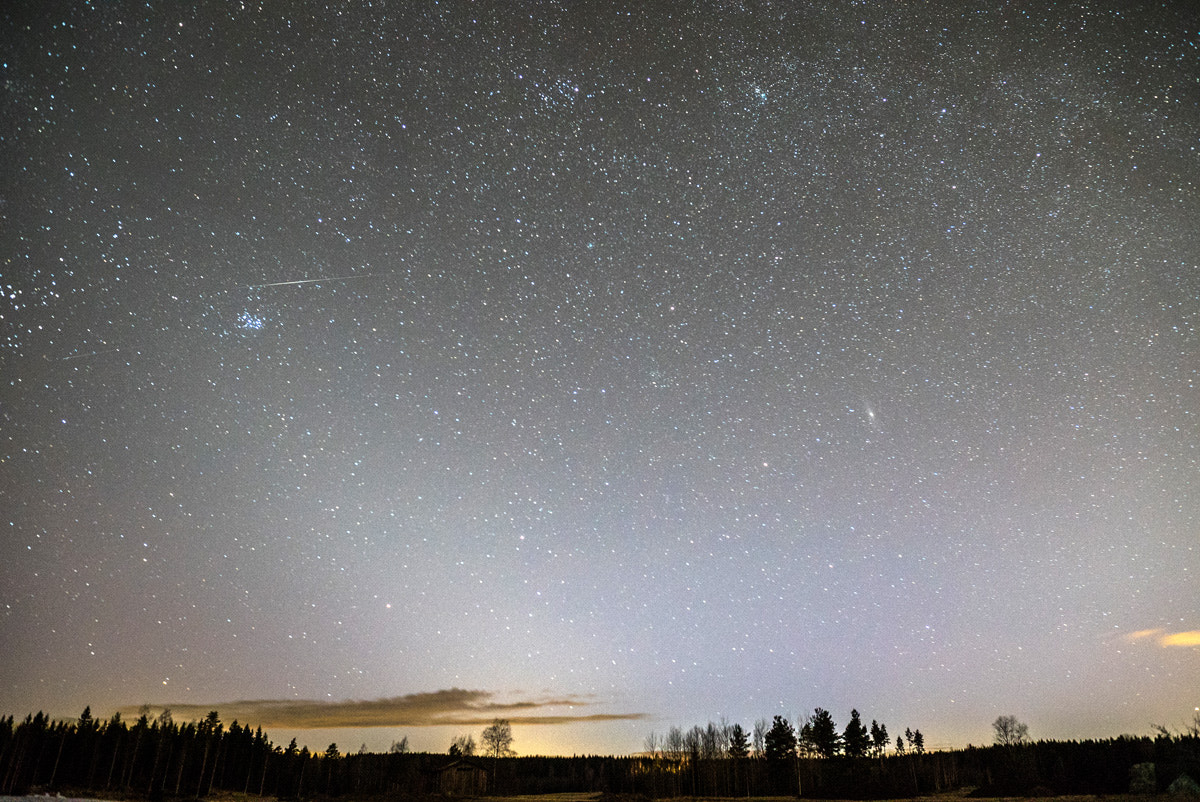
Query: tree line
x=819, y=759
x=158, y=758
x=775, y=758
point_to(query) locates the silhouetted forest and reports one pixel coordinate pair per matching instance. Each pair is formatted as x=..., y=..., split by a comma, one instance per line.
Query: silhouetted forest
x=160, y=758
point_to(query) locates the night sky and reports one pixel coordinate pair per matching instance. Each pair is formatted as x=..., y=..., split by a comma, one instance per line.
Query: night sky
x=601, y=366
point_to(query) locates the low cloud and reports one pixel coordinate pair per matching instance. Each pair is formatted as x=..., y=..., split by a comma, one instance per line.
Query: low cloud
x=455, y=706
x=1190, y=638
x=1164, y=638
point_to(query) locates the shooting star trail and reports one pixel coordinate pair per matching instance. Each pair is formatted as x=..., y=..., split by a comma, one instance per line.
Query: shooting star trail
x=93, y=353
x=307, y=281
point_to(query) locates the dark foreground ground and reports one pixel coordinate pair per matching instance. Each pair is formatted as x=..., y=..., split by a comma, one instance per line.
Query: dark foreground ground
x=955, y=796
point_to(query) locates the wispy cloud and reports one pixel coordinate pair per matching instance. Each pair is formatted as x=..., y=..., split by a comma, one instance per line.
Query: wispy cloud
x=1190, y=638
x=1164, y=638
x=454, y=706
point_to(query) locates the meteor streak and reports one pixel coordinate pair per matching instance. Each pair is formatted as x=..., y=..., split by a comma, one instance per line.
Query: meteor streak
x=90, y=354
x=306, y=281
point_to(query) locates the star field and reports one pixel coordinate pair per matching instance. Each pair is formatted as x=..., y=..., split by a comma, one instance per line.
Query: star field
x=696, y=360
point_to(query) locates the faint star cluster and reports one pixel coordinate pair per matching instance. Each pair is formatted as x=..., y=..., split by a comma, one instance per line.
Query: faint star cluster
x=250, y=321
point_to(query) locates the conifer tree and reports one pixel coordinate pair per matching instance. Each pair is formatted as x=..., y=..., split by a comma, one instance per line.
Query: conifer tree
x=824, y=733
x=855, y=740
x=739, y=742
x=879, y=738
x=780, y=740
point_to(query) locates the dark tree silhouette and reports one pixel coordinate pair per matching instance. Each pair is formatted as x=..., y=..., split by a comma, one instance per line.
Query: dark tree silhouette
x=463, y=745
x=156, y=757
x=855, y=739
x=497, y=743
x=1009, y=732
x=805, y=737
x=780, y=740
x=824, y=733
x=780, y=747
x=879, y=738
x=498, y=739
x=739, y=742
x=758, y=739
x=209, y=731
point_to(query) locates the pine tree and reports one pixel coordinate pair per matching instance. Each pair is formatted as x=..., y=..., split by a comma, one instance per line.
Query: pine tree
x=781, y=753
x=739, y=742
x=780, y=740
x=879, y=738
x=855, y=740
x=824, y=733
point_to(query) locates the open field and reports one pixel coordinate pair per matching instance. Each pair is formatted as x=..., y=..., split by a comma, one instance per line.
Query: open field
x=956, y=796
x=579, y=797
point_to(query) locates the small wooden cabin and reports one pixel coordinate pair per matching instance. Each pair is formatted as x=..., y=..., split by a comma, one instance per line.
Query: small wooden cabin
x=463, y=777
